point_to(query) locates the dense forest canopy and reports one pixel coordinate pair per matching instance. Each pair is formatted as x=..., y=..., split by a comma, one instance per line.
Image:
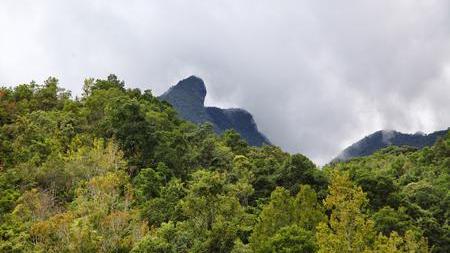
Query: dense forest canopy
x=116, y=170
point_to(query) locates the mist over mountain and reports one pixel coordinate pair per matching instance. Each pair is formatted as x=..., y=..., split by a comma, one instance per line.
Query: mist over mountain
x=384, y=138
x=188, y=98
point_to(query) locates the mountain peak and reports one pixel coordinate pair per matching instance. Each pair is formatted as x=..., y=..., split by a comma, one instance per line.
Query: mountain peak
x=188, y=97
x=192, y=88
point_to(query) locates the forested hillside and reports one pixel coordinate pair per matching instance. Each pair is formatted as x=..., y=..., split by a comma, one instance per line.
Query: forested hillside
x=117, y=171
x=382, y=139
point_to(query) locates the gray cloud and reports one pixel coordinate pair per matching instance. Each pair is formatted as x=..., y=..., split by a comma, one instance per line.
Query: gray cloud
x=317, y=75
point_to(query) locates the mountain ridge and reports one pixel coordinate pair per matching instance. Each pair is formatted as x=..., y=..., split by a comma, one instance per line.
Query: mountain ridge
x=188, y=99
x=384, y=138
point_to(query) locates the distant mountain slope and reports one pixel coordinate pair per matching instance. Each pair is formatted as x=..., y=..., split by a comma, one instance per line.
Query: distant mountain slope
x=188, y=97
x=384, y=138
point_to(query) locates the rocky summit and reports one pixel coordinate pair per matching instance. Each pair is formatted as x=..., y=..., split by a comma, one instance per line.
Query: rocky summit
x=188, y=98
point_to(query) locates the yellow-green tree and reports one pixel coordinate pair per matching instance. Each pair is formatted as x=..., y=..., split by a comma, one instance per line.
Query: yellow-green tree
x=349, y=230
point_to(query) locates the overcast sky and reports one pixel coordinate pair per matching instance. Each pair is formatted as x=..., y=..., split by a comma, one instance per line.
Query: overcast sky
x=316, y=75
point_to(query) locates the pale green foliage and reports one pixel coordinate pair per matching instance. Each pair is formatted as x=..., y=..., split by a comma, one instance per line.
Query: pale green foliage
x=350, y=230
x=397, y=244
x=100, y=218
x=282, y=211
x=242, y=177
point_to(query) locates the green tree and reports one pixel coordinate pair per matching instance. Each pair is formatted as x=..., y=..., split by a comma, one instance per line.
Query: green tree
x=283, y=211
x=298, y=169
x=350, y=230
x=291, y=239
x=147, y=184
x=134, y=133
x=167, y=206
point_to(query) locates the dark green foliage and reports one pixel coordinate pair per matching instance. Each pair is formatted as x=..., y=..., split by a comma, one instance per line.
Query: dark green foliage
x=291, y=239
x=299, y=169
x=380, y=190
x=388, y=219
x=112, y=82
x=167, y=206
x=118, y=171
x=8, y=192
x=233, y=140
x=408, y=189
x=147, y=184
x=135, y=134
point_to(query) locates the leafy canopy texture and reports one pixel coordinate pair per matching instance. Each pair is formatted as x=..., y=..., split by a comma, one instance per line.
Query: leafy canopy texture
x=349, y=230
x=117, y=170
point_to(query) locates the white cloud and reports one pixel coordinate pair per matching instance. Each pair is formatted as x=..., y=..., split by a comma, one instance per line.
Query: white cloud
x=317, y=75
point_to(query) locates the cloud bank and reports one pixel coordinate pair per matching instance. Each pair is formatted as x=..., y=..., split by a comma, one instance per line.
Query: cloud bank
x=316, y=75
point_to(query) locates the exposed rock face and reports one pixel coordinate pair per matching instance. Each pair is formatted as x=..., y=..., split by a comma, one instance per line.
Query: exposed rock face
x=384, y=138
x=188, y=98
